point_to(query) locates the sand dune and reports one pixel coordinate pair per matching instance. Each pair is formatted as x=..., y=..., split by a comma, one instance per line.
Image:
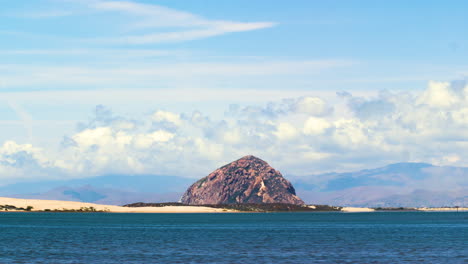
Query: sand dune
x=40, y=205
x=356, y=209
x=443, y=209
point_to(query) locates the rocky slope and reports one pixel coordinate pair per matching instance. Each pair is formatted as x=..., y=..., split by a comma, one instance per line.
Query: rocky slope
x=247, y=180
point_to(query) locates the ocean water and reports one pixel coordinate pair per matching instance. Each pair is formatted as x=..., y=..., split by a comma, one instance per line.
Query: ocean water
x=396, y=237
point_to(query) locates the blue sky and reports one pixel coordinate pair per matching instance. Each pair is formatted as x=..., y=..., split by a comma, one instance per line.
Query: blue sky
x=261, y=72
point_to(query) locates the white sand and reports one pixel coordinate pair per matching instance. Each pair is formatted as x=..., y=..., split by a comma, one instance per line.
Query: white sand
x=443, y=209
x=40, y=205
x=357, y=209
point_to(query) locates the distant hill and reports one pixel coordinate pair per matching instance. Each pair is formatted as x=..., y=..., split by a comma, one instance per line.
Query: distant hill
x=90, y=194
x=400, y=184
x=422, y=198
x=107, y=189
x=248, y=180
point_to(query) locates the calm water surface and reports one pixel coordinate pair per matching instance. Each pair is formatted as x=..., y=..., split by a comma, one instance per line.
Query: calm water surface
x=398, y=237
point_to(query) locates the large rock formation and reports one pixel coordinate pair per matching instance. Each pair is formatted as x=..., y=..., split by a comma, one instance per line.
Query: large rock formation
x=247, y=180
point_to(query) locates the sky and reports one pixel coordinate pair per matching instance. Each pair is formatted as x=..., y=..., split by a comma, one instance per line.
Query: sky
x=180, y=87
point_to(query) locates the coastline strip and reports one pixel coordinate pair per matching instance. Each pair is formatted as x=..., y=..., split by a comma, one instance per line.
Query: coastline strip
x=41, y=205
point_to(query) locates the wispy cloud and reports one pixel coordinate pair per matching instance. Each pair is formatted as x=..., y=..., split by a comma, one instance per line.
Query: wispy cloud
x=114, y=53
x=142, y=75
x=154, y=23
x=155, y=16
x=178, y=36
x=44, y=14
x=151, y=15
x=25, y=117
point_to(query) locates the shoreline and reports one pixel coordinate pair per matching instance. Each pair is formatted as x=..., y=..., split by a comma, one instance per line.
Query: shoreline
x=68, y=206
x=443, y=209
x=35, y=205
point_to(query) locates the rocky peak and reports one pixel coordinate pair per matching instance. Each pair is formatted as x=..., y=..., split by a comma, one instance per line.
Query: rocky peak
x=246, y=180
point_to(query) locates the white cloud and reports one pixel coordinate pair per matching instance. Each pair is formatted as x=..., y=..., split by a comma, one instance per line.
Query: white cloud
x=438, y=94
x=157, y=74
x=164, y=116
x=145, y=141
x=285, y=131
x=44, y=14
x=155, y=15
x=460, y=116
x=179, y=36
x=25, y=117
x=108, y=54
x=315, y=126
x=183, y=26
x=310, y=105
x=22, y=161
x=294, y=134
x=232, y=136
x=150, y=23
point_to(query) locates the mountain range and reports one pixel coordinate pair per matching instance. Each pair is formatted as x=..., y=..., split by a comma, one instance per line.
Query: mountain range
x=395, y=185
x=106, y=189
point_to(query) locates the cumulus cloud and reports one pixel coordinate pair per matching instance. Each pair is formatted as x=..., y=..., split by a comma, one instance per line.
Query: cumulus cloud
x=439, y=94
x=22, y=161
x=167, y=120
x=301, y=136
x=315, y=126
x=309, y=105
x=285, y=131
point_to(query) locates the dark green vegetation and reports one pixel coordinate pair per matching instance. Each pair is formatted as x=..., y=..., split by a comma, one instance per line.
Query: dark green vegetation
x=405, y=209
x=155, y=204
x=267, y=207
x=8, y=207
x=81, y=210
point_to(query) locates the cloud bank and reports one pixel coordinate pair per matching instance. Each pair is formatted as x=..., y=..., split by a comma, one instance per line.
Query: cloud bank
x=300, y=136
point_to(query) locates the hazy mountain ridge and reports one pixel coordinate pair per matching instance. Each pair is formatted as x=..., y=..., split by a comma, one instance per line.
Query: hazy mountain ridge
x=90, y=194
x=400, y=184
x=106, y=189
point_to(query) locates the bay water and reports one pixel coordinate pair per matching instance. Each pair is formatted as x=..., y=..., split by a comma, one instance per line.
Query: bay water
x=331, y=237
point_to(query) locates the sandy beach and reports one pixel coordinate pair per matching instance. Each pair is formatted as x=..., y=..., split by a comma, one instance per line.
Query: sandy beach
x=443, y=209
x=357, y=209
x=40, y=205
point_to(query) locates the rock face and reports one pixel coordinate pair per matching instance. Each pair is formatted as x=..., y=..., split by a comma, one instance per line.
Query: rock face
x=247, y=180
